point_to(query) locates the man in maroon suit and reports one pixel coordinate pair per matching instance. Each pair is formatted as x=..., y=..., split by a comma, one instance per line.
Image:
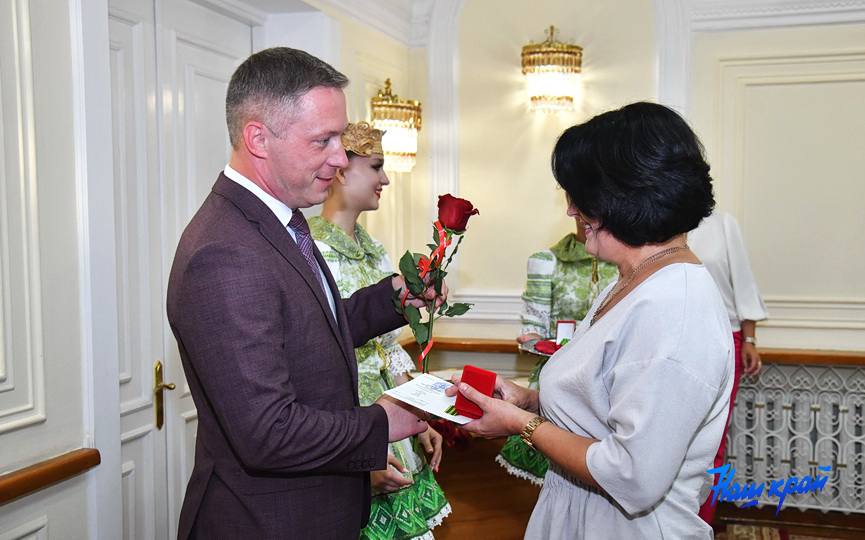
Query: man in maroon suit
x=283, y=449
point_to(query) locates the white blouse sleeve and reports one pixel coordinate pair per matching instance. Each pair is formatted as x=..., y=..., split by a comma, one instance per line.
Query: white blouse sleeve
x=652, y=428
x=746, y=295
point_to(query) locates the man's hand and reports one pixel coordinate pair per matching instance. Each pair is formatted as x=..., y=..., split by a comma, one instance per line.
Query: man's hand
x=390, y=479
x=429, y=293
x=402, y=421
x=431, y=441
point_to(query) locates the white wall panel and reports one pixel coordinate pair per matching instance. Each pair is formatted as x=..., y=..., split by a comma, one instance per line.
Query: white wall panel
x=38, y=217
x=21, y=358
x=36, y=529
x=782, y=115
x=54, y=513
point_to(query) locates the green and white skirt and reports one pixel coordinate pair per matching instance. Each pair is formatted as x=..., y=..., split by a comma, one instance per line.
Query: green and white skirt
x=520, y=459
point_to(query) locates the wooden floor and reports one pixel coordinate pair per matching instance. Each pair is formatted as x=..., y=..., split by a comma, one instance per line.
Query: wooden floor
x=487, y=502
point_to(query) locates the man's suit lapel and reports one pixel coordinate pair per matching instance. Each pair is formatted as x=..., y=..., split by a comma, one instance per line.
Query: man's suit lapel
x=276, y=234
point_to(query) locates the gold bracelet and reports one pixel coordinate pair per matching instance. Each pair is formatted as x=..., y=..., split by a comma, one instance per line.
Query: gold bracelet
x=529, y=431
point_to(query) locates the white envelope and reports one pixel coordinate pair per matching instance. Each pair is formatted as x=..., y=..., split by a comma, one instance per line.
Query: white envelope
x=427, y=393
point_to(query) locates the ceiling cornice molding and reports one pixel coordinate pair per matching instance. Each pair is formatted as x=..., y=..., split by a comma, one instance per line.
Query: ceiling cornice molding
x=732, y=14
x=392, y=18
x=421, y=17
x=236, y=10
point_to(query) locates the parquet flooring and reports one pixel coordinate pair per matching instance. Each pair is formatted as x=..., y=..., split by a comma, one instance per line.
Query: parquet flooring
x=487, y=502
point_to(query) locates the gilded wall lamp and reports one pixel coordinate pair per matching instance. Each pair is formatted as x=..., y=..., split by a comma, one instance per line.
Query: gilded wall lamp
x=400, y=119
x=552, y=71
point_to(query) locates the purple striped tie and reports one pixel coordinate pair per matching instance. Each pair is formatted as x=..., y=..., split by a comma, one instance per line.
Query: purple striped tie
x=304, y=242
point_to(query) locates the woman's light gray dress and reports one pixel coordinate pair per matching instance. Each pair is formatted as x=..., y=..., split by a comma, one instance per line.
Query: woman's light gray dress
x=651, y=381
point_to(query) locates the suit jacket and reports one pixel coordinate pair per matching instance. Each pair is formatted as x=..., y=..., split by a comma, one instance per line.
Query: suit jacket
x=283, y=448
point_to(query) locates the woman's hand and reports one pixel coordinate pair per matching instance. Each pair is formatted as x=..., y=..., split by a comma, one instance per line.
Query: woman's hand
x=390, y=479
x=499, y=417
x=505, y=390
x=431, y=441
x=751, y=359
x=528, y=337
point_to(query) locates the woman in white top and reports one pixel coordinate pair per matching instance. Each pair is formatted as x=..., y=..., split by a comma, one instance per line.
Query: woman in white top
x=718, y=242
x=630, y=411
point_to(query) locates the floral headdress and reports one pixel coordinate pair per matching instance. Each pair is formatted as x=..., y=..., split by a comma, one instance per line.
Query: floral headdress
x=362, y=139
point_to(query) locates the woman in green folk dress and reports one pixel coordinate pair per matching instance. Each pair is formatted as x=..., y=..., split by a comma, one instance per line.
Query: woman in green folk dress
x=561, y=284
x=407, y=501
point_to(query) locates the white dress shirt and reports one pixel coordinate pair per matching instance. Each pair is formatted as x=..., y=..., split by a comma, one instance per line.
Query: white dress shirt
x=283, y=214
x=718, y=242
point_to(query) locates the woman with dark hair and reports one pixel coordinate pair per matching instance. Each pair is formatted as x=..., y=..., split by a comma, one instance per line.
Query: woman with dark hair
x=631, y=410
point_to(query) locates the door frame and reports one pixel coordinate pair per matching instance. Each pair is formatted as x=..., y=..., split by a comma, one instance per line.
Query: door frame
x=94, y=180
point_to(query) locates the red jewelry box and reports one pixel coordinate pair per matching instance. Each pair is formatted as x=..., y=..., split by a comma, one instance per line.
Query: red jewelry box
x=480, y=379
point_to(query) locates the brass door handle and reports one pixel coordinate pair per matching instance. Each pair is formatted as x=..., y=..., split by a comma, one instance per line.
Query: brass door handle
x=158, y=393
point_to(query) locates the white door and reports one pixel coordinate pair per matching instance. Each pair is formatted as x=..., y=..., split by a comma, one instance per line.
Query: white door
x=138, y=266
x=170, y=65
x=199, y=50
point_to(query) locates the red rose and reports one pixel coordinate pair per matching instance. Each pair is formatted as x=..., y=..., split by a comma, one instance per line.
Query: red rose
x=454, y=213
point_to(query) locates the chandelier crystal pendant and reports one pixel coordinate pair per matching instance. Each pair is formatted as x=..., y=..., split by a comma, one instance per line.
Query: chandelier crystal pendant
x=552, y=71
x=400, y=120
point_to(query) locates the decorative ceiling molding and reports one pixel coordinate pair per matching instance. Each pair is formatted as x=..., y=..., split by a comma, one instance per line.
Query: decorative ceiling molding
x=421, y=14
x=391, y=17
x=732, y=14
x=236, y=10
x=677, y=20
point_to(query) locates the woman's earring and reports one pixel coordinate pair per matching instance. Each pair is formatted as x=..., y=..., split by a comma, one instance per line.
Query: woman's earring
x=340, y=177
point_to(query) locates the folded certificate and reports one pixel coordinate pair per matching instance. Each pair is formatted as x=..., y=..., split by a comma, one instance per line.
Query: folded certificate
x=427, y=393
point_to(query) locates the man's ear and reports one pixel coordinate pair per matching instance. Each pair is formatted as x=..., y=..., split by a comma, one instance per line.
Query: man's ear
x=255, y=137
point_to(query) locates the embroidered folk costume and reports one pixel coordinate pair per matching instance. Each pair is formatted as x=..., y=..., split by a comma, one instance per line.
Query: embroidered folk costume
x=414, y=510
x=561, y=284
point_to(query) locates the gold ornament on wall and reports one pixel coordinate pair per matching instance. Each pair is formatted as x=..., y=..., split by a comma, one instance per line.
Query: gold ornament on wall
x=400, y=119
x=552, y=70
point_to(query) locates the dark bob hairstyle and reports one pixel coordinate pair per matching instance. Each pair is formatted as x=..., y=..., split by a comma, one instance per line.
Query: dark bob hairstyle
x=639, y=170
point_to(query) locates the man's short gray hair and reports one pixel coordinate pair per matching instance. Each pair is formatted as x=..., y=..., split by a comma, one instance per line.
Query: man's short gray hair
x=267, y=85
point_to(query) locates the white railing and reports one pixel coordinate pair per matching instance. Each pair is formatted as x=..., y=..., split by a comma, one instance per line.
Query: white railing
x=793, y=419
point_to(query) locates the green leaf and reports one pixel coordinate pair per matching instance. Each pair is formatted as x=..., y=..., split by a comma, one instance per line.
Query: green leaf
x=435, y=236
x=417, y=258
x=407, y=265
x=413, y=315
x=421, y=333
x=408, y=268
x=415, y=286
x=458, y=309
x=443, y=307
x=431, y=247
